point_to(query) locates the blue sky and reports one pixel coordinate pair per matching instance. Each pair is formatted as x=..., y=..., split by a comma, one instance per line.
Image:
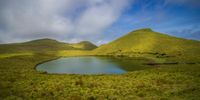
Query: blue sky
x=180, y=19
x=99, y=21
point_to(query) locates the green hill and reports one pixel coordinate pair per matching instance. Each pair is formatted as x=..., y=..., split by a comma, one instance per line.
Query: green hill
x=86, y=45
x=40, y=45
x=146, y=41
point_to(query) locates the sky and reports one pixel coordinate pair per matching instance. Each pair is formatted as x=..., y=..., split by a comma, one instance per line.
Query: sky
x=98, y=21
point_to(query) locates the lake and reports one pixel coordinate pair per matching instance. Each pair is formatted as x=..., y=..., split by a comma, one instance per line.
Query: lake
x=90, y=65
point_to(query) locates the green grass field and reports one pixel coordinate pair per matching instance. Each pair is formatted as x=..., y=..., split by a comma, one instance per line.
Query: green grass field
x=174, y=75
x=20, y=80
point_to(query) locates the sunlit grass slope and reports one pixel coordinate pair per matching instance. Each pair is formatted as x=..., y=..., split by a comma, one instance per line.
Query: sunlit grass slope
x=66, y=53
x=148, y=41
x=43, y=45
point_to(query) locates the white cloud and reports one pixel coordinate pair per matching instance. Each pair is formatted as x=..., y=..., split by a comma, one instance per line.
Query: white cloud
x=61, y=19
x=98, y=17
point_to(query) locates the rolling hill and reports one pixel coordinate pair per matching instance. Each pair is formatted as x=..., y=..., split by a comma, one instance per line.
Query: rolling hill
x=44, y=45
x=138, y=42
x=86, y=45
x=146, y=41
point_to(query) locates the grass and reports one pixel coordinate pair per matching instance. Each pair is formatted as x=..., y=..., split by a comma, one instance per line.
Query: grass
x=86, y=45
x=44, y=45
x=19, y=80
x=181, y=81
x=65, y=53
x=15, y=54
x=146, y=41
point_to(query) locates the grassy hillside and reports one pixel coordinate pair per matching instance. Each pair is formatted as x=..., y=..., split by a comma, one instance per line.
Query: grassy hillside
x=86, y=45
x=42, y=45
x=181, y=81
x=147, y=42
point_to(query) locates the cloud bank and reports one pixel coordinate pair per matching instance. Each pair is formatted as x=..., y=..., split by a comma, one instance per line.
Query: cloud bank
x=65, y=20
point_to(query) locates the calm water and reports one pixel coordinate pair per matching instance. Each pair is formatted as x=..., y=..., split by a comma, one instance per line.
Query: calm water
x=89, y=65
